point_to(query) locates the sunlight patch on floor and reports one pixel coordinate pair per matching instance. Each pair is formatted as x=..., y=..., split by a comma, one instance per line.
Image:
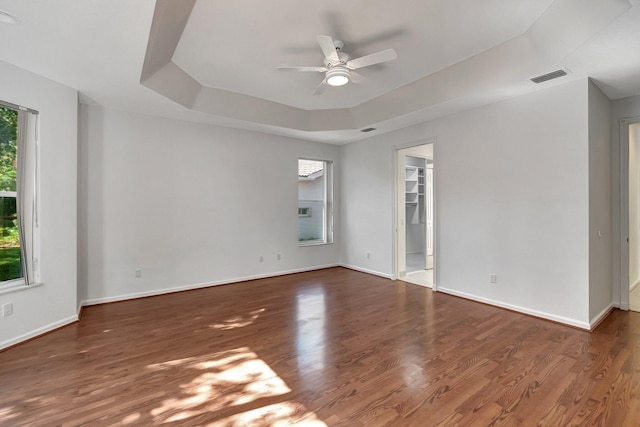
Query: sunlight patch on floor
x=238, y=321
x=278, y=415
x=129, y=419
x=7, y=413
x=224, y=380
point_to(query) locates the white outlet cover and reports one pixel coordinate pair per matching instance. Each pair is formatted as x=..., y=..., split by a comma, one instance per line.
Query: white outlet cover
x=7, y=309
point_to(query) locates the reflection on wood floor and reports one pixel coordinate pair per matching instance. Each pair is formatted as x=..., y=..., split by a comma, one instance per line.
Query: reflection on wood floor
x=332, y=347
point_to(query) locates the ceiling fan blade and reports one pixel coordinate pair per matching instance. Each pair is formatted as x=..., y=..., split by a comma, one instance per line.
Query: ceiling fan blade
x=374, y=58
x=288, y=68
x=358, y=78
x=321, y=87
x=328, y=48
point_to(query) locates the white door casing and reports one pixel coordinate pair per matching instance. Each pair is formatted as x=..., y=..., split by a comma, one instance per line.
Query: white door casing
x=401, y=237
x=428, y=199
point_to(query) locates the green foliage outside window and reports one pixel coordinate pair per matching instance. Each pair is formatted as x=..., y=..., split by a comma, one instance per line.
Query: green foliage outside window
x=8, y=148
x=9, y=241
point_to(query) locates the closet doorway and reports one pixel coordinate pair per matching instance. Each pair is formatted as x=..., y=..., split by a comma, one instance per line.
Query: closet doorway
x=415, y=215
x=632, y=284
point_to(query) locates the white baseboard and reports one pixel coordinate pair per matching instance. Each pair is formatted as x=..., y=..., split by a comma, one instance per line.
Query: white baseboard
x=37, y=332
x=172, y=289
x=365, y=270
x=535, y=313
x=600, y=316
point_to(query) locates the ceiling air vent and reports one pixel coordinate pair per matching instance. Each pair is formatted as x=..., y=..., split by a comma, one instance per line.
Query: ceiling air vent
x=368, y=130
x=549, y=76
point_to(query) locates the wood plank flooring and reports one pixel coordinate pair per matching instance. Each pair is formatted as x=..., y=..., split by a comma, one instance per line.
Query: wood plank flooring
x=327, y=348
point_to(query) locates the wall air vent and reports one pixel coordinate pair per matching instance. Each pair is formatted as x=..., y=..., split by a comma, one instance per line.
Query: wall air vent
x=549, y=76
x=368, y=130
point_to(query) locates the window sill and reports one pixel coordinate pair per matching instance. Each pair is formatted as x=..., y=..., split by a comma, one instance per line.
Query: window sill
x=16, y=286
x=312, y=243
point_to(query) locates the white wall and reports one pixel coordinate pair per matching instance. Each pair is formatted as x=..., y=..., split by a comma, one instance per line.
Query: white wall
x=188, y=204
x=42, y=308
x=193, y=204
x=600, y=238
x=634, y=205
x=512, y=199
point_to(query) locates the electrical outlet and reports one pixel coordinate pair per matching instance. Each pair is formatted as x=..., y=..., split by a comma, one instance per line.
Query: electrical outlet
x=138, y=273
x=278, y=257
x=7, y=309
x=493, y=278
x=368, y=255
x=261, y=258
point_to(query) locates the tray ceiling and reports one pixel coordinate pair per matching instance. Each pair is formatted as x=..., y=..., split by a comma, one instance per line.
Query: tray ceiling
x=215, y=62
x=237, y=46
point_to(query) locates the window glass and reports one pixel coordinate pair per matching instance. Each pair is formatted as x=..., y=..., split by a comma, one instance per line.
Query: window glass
x=10, y=263
x=314, y=202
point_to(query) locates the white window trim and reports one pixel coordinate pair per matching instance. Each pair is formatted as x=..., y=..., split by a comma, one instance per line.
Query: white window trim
x=19, y=284
x=313, y=243
x=16, y=285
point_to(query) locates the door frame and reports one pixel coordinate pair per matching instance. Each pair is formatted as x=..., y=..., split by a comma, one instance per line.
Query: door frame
x=394, y=206
x=624, y=209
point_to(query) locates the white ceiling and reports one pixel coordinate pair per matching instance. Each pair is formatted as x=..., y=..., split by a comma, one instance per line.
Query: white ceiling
x=238, y=45
x=219, y=65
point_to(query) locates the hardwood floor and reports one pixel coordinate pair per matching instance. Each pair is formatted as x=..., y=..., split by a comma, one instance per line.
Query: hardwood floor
x=333, y=347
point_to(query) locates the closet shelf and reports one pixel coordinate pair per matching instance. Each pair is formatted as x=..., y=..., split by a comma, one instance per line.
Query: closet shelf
x=414, y=193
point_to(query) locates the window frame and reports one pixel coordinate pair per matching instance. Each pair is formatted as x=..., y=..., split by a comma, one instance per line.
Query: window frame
x=20, y=283
x=327, y=218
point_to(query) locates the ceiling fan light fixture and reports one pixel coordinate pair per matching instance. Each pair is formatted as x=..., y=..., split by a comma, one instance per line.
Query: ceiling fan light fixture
x=338, y=76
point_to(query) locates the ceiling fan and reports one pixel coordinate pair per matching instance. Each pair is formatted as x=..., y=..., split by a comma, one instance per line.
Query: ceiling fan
x=338, y=66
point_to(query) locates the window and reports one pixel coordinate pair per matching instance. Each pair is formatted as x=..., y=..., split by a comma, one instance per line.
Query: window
x=18, y=230
x=304, y=212
x=315, y=204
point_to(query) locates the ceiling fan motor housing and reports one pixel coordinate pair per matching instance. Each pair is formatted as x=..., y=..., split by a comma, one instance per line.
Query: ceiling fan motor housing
x=343, y=58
